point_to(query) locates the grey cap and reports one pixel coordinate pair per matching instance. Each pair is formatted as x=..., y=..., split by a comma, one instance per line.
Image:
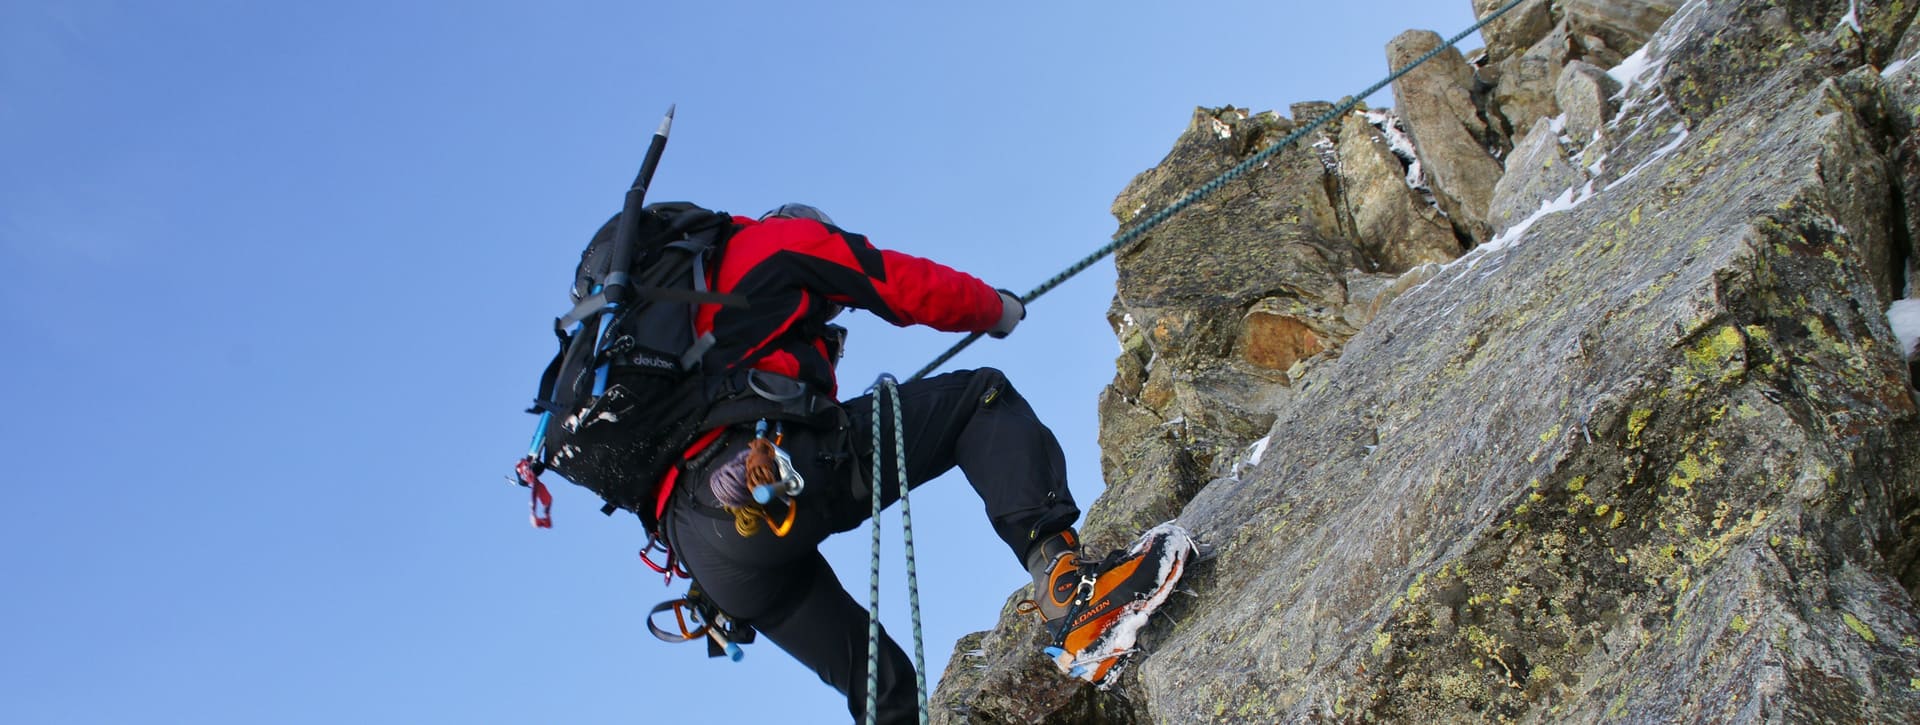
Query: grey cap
x=798, y=211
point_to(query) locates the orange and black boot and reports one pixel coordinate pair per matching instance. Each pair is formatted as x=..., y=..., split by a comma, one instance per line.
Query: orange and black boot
x=1094, y=609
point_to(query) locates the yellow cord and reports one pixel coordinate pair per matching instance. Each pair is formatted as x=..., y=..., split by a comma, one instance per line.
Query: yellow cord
x=744, y=521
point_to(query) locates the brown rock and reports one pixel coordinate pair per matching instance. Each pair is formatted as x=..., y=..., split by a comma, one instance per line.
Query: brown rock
x=1585, y=94
x=1624, y=25
x=1520, y=28
x=1537, y=171
x=1451, y=135
x=1393, y=224
x=1524, y=91
x=1273, y=340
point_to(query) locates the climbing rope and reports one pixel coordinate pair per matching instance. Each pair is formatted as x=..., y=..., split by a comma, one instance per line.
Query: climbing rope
x=887, y=388
x=1132, y=235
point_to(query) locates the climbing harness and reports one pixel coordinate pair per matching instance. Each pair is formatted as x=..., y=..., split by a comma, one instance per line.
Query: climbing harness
x=696, y=616
x=762, y=464
x=1129, y=236
x=887, y=388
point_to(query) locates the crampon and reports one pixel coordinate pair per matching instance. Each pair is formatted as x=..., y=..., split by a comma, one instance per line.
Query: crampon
x=1109, y=600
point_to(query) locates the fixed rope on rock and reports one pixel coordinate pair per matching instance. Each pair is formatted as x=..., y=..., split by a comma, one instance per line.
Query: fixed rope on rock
x=1133, y=234
x=886, y=387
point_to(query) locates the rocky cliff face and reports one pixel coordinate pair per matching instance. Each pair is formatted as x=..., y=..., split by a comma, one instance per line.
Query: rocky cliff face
x=1563, y=392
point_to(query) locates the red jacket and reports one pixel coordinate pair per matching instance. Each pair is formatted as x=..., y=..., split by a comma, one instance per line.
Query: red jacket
x=797, y=273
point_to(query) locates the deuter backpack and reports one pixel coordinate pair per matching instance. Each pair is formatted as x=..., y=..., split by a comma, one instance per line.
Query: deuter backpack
x=623, y=398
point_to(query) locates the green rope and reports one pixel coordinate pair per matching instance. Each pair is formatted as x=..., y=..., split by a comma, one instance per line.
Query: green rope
x=873, y=582
x=1132, y=235
x=886, y=387
x=906, y=527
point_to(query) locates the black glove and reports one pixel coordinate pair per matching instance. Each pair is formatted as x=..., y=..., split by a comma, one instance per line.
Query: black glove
x=1011, y=313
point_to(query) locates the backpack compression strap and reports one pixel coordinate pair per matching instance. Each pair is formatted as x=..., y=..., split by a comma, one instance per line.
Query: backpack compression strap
x=554, y=395
x=652, y=288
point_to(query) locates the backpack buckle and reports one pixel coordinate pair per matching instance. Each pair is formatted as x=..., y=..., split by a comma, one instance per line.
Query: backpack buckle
x=775, y=387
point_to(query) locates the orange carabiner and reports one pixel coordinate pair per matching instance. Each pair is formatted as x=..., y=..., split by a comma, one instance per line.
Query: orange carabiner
x=686, y=617
x=781, y=529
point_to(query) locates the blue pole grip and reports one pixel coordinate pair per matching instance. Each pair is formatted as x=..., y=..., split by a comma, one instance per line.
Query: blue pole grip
x=733, y=651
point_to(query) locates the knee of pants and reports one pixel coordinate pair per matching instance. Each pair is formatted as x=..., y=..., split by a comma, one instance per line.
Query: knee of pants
x=988, y=385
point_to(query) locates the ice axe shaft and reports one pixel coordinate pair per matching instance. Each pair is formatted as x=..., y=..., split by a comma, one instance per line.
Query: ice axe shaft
x=623, y=235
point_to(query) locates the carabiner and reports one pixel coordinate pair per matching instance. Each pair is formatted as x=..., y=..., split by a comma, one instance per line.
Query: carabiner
x=689, y=620
x=672, y=567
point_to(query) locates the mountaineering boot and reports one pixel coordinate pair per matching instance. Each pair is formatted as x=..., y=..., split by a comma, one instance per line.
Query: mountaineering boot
x=1094, y=609
x=1054, y=563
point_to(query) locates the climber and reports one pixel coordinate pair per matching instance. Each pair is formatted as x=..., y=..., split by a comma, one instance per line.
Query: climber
x=797, y=270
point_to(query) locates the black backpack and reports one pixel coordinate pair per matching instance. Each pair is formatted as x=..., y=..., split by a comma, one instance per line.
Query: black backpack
x=650, y=405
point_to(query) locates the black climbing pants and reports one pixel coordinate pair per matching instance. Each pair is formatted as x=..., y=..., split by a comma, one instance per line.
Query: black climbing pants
x=784, y=587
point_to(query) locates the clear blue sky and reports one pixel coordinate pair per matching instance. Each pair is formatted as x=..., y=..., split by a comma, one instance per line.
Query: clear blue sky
x=276, y=279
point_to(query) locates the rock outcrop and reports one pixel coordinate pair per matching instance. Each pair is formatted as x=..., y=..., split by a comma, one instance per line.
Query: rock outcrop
x=1539, y=40
x=1648, y=452
x=1540, y=173
x=1585, y=95
x=1394, y=220
x=1455, y=143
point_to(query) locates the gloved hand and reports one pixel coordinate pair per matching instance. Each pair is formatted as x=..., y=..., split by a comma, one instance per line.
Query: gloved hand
x=1011, y=313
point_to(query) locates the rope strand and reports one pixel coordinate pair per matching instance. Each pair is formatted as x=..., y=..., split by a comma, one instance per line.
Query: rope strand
x=873, y=581
x=906, y=526
x=887, y=388
x=1133, y=234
